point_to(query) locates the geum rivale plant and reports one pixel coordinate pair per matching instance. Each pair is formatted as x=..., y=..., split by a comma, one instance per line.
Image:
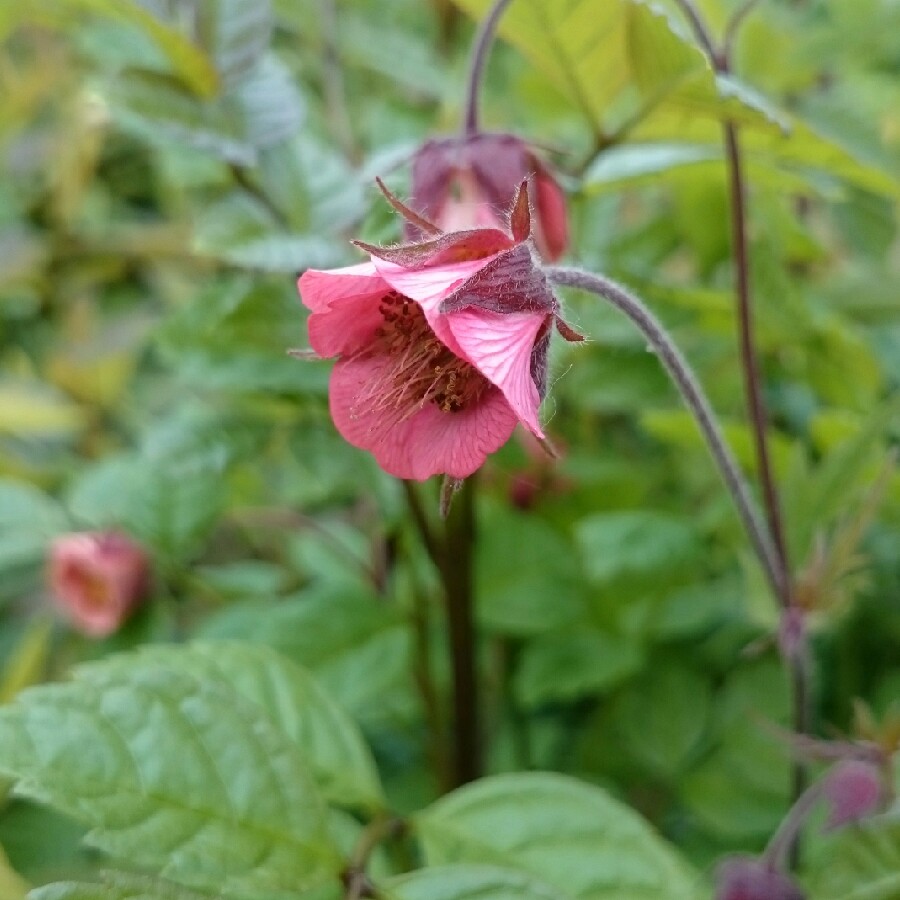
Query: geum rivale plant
x=223, y=769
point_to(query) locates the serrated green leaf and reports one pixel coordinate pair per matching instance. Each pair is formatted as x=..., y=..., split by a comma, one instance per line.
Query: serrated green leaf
x=178, y=776
x=521, y=562
x=566, y=666
x=357, y=648
x=236, y=34
x=662, y=717
x=633, y=542
x=116, y=886
x=467, y=882
x=619, y=54
x=570, y=834
x=861, y=862
x=289, y=696
x=156, y=108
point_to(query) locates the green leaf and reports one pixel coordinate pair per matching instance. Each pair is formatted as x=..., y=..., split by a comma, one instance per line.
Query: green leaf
x=156, y=108
x=193, y=67
x=861, y=862
x=634, y=542
x=172, y=507
x=522, y=561
x=236, y=33
x=357, y=648
x=566, y=666
x=12, y=885
x=291, y=698
x=570, y=834
x=29, y=520
x=32, y=409
x=662, y=717
x=179, y=776
x=631, y=161
x=470, y=883
x=615, y=59
x=116, y=886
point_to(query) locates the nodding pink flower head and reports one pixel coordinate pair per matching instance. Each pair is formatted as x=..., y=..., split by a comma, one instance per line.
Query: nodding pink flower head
x=97, y=579
x=467, y=182
x=746, y=878
x=441, y=344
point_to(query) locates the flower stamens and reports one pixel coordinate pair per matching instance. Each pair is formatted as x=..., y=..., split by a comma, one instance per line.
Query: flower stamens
x=421, y=369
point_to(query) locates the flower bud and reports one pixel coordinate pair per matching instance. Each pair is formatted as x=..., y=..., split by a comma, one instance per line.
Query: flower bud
x=97, y=579
x=746, y=878
x=853, y=790
x=469, y=182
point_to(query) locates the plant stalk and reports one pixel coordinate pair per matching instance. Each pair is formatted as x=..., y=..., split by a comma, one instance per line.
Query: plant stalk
x=799, y=663
x=458, y=576
x=692, y=393
x=480, y=50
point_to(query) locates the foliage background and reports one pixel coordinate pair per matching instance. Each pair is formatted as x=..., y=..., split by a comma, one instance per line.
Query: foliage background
x=168, y=167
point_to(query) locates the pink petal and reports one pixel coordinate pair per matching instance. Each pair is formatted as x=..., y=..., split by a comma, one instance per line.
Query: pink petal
x=552, y=225
x=319, y=288
x=348, y=326
x=499, y=345
x=345, y=307
x=429, y=286
x=428, y=442
x=457, y=444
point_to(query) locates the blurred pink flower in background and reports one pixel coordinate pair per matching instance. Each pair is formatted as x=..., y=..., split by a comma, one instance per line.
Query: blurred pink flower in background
x=441, y=346
x=470, y=181
x=97, y=579
x=746, y=878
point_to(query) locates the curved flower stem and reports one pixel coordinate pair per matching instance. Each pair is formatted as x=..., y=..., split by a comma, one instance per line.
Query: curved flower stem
x=781, y=847
x=695, y=399
x=480, y=48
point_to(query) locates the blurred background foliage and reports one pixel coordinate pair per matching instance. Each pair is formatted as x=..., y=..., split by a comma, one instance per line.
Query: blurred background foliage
x=169, y=166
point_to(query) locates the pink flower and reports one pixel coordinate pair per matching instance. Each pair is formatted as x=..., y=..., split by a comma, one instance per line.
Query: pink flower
x=853, y=789
x=746, y=878
x=441, y=345
x=470, y=182
x=97, y=579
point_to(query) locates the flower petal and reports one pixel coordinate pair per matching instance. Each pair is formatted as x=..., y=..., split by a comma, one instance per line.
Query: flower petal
x=500, y=347
x=345, y=307
x=551, y=233
x=429, y=286
x=319, y=288
x=458, y=443
x=429, y=442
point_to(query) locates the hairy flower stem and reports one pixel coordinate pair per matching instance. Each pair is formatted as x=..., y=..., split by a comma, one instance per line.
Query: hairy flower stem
x=694, y=397
x=480, y=49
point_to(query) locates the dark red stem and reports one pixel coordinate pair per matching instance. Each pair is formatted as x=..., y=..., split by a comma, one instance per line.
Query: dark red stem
x=457, y=573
